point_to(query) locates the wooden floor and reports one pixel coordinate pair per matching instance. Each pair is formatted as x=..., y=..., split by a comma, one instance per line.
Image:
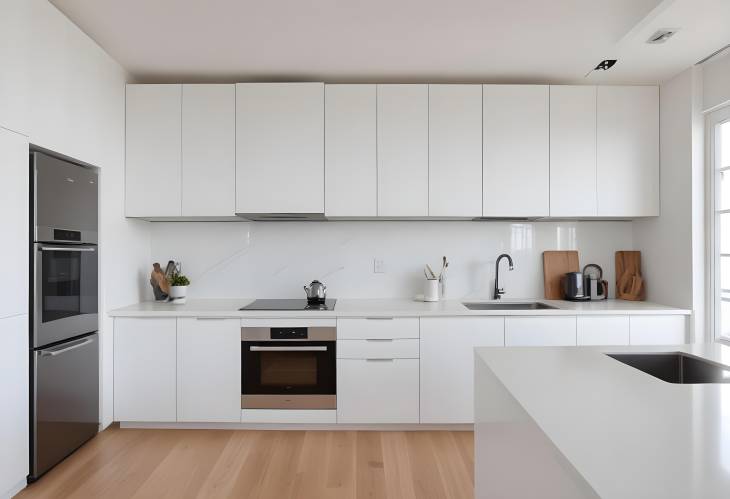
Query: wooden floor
x=122, y=463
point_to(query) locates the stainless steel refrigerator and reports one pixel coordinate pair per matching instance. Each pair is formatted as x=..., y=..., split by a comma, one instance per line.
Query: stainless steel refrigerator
x=64, y=343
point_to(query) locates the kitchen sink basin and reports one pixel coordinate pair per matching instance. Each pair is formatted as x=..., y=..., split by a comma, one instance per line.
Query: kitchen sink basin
x=508, y=306
x=675, y=367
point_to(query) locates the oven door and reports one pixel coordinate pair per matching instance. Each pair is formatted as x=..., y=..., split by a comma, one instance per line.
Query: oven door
x=65, y=292
x=288, y=375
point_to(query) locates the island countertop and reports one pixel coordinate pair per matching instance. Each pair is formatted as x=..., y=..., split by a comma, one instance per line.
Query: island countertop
x=395, y=307
x=626, y=433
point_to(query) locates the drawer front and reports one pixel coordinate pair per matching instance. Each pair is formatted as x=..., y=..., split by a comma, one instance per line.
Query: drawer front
x=380, y=391
x=378, y=349
x=377, y=328
x=603, y=330
x=540, y=331
x=658, y=329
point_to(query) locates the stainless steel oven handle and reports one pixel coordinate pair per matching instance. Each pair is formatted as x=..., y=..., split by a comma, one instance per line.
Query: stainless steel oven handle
x=65, y=248
x=288, y=349
x=53, y=353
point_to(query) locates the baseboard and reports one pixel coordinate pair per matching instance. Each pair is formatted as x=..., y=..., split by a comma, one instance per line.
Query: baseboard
x=15, y=489
x=297, y=426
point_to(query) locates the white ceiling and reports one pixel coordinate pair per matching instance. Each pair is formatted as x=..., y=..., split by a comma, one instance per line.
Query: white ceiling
x=550, y=41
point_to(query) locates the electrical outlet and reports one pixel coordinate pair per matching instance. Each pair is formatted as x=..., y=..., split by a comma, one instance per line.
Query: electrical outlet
x=378, y=266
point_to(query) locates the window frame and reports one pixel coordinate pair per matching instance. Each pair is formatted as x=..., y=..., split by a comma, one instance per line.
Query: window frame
x=712, y=122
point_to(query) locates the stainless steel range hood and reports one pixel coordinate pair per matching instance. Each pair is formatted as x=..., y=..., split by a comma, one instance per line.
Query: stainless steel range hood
x=283, y=217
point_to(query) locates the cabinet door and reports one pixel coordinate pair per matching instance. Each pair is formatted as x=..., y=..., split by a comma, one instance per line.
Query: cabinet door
x=153, y=150
x=208, y=150
x=455, y=150
x=603, y=330
x=402, y=150
x=573, y=151
x=14, y=392
x=377, y=390
x=280, y=148
x=539, y=331
x=628, y=151
x=516, y=164
x=145, y=369
x=658, y=329
x=447, y=364
x=209, y=370
x=350, y=151
x=14, y=222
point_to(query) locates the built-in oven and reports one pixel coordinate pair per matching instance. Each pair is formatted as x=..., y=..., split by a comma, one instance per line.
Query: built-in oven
x=66, y=292
x=288, y=368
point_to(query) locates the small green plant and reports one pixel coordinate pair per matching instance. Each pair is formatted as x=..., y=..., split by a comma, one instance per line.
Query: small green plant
x=178, y=279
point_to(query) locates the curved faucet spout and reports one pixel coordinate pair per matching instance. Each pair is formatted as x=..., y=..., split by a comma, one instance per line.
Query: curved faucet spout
x=498, y=292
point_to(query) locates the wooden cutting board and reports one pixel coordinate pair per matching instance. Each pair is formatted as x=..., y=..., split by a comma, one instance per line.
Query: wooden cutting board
x=555, y=264
x=629, y=282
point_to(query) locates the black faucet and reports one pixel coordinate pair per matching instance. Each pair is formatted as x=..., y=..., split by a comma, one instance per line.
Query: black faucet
x=498, y=292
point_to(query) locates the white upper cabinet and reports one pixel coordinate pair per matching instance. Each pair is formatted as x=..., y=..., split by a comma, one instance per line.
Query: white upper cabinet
x=14, y=222
x=350, y=151
x=573, y=151
x=280, y=148
x=516, y=162
x=455, y=150
x=402, y=150
x=628, y=151
x=208, y=150
x=153, y=151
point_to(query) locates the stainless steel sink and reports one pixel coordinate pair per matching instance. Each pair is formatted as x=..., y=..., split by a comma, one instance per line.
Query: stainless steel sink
x=675, y=367
x=508, y=306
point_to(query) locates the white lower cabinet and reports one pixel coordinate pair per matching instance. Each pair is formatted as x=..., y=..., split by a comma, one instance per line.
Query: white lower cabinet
x=539, y=331
x=658, y=329
x=447, y=364
x=377, y=390
x=145, y=369
x=14, y=392
x=603, y=330
x=209, y=370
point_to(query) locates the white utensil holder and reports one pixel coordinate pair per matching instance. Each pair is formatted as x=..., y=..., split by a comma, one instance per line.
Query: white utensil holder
x=431, y=290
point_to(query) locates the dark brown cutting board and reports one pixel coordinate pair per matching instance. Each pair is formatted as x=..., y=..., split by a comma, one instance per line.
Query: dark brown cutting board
x=555, y=264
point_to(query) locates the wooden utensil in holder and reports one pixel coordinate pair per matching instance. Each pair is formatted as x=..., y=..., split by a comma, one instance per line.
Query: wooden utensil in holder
x=629, y=282
x=160, y=286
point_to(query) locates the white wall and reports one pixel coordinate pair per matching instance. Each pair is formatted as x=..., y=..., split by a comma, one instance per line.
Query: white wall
x=716, y=82
x=270, y=260
x=63, y=91
x=672, y=243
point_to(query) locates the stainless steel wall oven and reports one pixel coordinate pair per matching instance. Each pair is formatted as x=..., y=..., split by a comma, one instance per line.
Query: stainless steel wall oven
x=288, y=368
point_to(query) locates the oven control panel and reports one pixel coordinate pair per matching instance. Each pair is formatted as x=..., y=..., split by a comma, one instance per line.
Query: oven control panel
x=289, y=333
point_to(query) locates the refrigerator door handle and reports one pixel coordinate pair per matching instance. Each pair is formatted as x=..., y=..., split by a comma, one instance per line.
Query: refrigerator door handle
x=59, y=351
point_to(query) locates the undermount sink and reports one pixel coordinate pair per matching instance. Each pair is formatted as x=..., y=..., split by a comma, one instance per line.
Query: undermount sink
x=508, y=306
x=675, y=367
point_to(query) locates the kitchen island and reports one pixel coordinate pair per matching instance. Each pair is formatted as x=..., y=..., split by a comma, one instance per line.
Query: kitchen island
x=574, y=423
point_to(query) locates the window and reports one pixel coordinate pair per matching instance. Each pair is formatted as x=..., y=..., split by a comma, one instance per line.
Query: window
x=718, y=129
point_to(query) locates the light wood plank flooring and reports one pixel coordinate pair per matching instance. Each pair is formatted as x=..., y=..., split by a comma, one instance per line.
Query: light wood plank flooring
x=123, y=463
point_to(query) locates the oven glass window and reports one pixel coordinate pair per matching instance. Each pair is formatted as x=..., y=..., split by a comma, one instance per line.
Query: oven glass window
x=288, y=369
x=68, y=286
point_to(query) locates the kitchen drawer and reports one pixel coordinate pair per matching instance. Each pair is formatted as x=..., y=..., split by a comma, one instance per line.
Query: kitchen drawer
x=603, y=330
x=377, y=328
x=539, y=331
x=378, y=349
x=658, y=329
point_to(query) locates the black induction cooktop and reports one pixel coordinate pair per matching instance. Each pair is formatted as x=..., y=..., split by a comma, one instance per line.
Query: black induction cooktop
x=292, y=304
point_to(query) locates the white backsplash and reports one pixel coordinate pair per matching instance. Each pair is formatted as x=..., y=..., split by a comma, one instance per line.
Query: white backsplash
x=274, y=260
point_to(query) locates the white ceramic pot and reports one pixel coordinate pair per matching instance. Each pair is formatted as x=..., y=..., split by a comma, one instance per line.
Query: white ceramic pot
x=178, y=294
x=431, y=290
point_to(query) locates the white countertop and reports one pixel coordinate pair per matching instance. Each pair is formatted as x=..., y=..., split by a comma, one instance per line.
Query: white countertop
x=628, y=434
x=397, y=307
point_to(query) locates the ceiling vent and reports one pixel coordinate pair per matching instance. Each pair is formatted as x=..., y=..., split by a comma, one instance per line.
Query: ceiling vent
x=662, y=35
